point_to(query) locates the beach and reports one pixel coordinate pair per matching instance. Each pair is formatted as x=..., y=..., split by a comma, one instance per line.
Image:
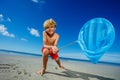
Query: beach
x=25, y=67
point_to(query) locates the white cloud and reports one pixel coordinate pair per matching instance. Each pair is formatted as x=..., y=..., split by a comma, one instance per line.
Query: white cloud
x=23, y=39
x=3, y=19
x=39, y=1
x=4, y=32
x=33, y=32
x=35, y=1
x=8, y=19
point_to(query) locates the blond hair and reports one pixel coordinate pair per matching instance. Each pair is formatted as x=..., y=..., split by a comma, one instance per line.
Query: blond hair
x=49, y=22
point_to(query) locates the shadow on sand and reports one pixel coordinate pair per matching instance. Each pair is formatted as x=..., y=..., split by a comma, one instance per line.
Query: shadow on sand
x=75, y=74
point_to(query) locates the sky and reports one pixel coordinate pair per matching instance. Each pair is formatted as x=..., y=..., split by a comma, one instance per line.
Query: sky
x=21, y=22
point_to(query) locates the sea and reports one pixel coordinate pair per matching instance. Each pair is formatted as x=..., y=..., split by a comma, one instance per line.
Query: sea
x=107, y=58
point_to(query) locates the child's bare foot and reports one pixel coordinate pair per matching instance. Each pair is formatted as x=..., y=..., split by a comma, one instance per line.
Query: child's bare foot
x=41, y=72
x=61, y=67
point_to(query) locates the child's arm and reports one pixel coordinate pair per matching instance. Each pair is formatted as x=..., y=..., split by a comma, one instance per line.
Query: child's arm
x=56, y=41
x=45, y=40
x=54, y=48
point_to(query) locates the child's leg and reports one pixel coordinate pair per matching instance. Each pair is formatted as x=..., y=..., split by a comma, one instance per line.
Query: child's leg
x=58, y=62
x=44, y=60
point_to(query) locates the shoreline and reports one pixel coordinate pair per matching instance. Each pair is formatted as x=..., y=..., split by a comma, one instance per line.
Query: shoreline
x=62, y=58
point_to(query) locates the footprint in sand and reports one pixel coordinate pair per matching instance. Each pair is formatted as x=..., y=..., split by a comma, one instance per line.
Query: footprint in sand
x=25, y=72
x=14, y=68
x=15, y=77
x=19, y=72
x=56, y=68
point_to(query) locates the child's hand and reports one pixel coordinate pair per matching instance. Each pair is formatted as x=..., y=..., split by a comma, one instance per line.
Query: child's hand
x=54, y=49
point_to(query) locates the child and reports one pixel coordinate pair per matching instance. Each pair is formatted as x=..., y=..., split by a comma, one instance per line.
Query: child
x=50, y=40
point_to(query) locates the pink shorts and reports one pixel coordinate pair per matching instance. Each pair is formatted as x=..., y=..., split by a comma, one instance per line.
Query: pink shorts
x=53, y=55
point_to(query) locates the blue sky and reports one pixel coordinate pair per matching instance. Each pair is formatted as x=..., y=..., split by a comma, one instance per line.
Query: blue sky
x=21, y=22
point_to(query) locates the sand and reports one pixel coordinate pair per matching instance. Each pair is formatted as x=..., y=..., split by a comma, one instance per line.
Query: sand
x=25, y=67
